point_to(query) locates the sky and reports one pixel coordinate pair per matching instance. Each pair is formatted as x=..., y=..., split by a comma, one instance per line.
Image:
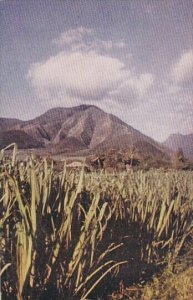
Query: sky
x=132, y=58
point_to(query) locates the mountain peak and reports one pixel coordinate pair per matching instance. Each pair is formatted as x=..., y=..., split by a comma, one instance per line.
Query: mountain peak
x=75, y=129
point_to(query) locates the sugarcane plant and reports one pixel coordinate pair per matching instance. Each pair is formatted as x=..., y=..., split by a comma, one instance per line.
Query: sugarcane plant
x=71, y=231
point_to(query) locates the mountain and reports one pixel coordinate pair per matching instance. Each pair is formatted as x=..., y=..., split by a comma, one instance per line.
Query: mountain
x=185, y=142
x=84, y=128
x=23, y=140
x=6, y=123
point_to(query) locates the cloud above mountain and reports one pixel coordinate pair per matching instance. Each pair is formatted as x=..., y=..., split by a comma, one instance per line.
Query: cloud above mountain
x=72, y=36
x=85, y=73
x=86, y=70
x=78, y=74
x=183, y=69
x=83, y=38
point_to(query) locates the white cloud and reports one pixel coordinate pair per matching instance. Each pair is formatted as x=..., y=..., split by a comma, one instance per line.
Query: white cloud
x=183, y=69
x=133, y=88
x=72, y=36
x=86, y=75
x=106, y=45
x=141, y=83
x=80, y=39
x=86, y=71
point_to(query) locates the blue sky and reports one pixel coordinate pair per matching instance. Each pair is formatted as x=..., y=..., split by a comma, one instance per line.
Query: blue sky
x=131, y=58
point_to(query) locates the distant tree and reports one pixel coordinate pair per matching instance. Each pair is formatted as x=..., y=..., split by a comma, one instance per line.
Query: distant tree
x=178, y=158
x=130, y=155
x=180, y=155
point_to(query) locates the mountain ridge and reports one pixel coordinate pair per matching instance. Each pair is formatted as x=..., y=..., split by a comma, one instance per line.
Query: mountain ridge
x=183, y=141
x=73, y=129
